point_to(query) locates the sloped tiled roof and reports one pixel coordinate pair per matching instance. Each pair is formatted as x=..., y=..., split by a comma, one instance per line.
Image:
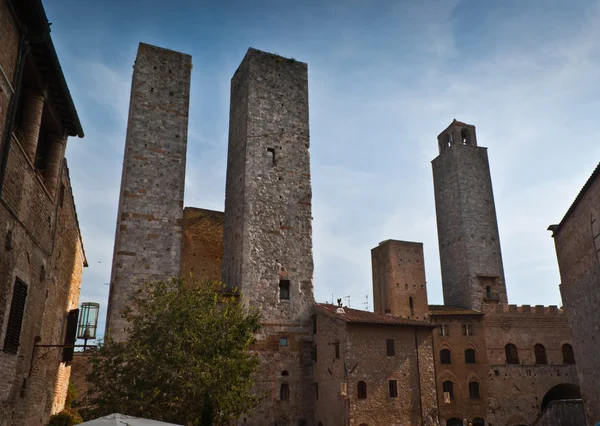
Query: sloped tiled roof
x=451, y=310
x=366, y=317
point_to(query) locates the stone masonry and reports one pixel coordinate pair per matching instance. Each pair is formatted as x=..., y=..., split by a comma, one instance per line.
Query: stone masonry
x=268, y=227
x=399, y=285
x=468, y=236
x=577, y=243
x=149, y=221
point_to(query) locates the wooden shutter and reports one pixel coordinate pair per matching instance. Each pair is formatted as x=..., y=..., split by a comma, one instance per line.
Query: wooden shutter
x=15, y=318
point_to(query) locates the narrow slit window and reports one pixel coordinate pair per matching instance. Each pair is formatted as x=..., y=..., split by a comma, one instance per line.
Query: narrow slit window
x=284, y=289
x=391, y=350
x=337, y=350
x=15, y=318
x=393, y=385
x=411, y=306
x=271, y=156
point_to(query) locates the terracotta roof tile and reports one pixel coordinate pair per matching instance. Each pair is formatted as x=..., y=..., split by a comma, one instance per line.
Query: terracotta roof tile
x=366, y=317
x=451, y=310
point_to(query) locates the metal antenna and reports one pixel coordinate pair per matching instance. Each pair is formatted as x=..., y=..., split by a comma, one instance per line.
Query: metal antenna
x=366, y=303
x=348, y=297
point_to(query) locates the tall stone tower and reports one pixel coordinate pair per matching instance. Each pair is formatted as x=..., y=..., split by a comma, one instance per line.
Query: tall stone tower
x=149, y=221
x=399, y=286
x=267, y=238
x=470, y=256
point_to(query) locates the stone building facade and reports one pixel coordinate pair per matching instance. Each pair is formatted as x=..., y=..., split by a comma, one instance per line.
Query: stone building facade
x=577, y=243
x=474, y=360
x=149, y=221
x=42, y=254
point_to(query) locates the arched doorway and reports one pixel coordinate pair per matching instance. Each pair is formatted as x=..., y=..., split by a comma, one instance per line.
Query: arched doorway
x=454, y=422
x=562, y=391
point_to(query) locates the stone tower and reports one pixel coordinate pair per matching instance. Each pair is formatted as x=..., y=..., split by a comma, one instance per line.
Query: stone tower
x=267, y=238
x=148, y=236
x=470, y=256
x=399, y=286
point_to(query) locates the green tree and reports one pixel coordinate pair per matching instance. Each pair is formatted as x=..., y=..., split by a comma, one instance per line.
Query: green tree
x=186, y=360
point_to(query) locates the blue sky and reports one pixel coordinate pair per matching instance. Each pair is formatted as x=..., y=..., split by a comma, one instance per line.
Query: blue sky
x=384, y=79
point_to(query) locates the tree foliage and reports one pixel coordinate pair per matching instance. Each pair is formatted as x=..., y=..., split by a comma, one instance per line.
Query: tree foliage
x=186, y=360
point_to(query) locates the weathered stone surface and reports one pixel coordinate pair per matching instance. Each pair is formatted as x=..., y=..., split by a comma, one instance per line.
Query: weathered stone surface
x=577, y=242
x=563, y=413
x=149, y=221
x=268, y=225
x=399, y=285
x=468, y=237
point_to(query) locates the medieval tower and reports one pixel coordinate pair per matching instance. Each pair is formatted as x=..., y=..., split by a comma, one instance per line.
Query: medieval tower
x=148, y=235
x=399, y=286
x=469, y=244
x=268, y=228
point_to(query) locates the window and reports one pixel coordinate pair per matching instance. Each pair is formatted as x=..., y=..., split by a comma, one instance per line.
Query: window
x=467, y=330
x=448, y=388
x=285, y=373
x=391, y=350
x=337, y=350
x=15, y=317
x=393, y=385
x=388, y=312
x=361, y=389
x=469, y=356
x=488, y=292
x=464, y=135
x=317, y=391
x=512, y=356
x=478, y=421
x=567, y=353
x=474, y=390
x=283, y=341
x=444, y=330
x=284, y=392
x=284, y=289
x=411, y=306
x=271, y=156
x=445, y=356
x=540, y=354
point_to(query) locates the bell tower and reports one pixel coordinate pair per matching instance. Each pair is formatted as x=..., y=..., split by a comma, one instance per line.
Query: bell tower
x=469, y=243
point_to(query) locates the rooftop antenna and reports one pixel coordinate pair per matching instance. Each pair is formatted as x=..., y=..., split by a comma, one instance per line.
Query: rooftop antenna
x=348, y=297
x=366, y=303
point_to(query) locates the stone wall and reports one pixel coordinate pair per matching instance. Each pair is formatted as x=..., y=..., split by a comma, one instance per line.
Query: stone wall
x=268, y=224
x=562, y=413
x=459, y=372
x=577, y=241
x=149, y=222
x=399, y=285
x=520, y=388
x=469, y=243
x=202, y=249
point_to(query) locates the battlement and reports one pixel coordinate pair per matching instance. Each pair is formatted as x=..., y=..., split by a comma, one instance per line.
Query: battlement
x=525, y=310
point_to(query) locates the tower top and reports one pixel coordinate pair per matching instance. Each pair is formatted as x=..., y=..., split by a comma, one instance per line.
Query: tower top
x=457, y=133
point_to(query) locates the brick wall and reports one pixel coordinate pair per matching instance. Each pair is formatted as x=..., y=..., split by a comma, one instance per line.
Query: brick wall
x=579, y=264
x=202, y=246
x=149, y=221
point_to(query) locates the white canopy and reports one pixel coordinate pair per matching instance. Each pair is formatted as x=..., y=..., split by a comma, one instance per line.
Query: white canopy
x=123, y=420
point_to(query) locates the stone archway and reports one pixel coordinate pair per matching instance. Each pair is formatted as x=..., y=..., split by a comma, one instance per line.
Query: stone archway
x=562, y=391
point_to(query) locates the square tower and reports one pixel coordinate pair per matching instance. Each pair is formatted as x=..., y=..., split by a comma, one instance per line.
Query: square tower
x=469, y=243
x=267, y=239
x=149, y=221
x=399, y=286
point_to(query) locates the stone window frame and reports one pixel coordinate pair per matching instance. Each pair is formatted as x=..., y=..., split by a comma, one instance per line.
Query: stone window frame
x=445, y=350
x=568, y=358
x=511, y=353
x=393, y=388
x=474, y=351
x=474, y=389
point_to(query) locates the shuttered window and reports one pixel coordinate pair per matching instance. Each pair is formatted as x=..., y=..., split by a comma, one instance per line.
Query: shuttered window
x=15, y=317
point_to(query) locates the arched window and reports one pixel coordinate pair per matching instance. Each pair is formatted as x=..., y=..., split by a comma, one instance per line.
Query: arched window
x=478, y=421
x=445, y=356
x=361, y=390
x=285, y=373
x=464, y=135
x=540, y=354
x=567, y=352
x=512, y=356
x=448, y=388
x=474, y=390
x=284, y=392
x=469, y=356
